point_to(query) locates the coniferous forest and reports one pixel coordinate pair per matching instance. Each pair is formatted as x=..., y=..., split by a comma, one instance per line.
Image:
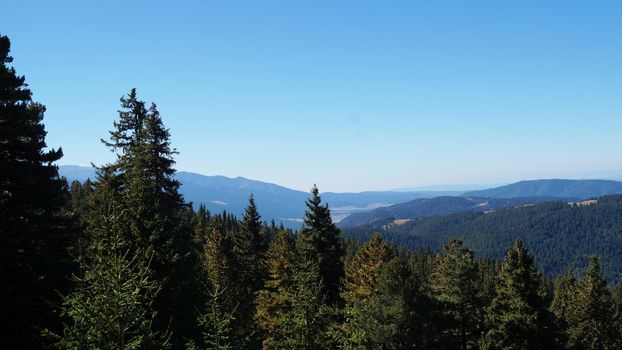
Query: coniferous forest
x=124, y=262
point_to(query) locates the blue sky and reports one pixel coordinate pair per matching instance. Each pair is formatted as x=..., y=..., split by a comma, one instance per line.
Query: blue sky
x=351, y=95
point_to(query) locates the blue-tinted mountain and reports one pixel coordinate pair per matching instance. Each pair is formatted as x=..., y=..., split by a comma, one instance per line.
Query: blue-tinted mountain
x=552, y=188
x=443, y=205
x=273, y=201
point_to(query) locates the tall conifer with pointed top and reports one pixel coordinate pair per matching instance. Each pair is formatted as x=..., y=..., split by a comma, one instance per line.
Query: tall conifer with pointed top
x=320, y=240
x=455, y=287
x=518, y=317
x=591, y=320
x=273, y=300
x=35, y=233
x=142, y=177
x=360, y=286
x=564, y=301
x=247, y=253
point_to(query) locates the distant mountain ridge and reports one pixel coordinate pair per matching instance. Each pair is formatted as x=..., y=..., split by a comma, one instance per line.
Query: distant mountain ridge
x=274, y=201
x=559, y=188
x=350, y=209
x=437, y=206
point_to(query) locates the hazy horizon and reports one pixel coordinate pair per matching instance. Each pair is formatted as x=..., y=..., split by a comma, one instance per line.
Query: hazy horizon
x=612, y=175
x=352, y=96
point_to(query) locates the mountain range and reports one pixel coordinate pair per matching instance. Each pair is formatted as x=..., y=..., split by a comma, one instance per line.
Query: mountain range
x=552, y=188
x=280, y=203
x=287, y=206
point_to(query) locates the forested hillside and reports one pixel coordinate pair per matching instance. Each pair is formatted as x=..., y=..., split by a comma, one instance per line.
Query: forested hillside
x=561, y=235
x=125, y=262
x=436, y=206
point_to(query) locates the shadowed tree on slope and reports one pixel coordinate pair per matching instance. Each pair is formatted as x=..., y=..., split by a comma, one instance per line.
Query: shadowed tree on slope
x=35, y=232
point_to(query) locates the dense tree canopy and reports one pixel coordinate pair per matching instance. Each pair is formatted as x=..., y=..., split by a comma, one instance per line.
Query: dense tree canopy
x=35, y=230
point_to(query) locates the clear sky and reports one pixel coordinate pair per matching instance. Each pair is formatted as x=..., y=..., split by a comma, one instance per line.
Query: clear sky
x=351, y=95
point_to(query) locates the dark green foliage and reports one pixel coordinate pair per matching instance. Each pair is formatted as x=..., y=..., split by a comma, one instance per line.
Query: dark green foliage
x=560, y=235
x=111, y=307
x=218, y=269
x=396, y=316
x=591, y=316
x=215, y=325
x=320, y=241
x=35, y=230
x=455, y=286
x=305, y=321
x=156, y=221
x=518, y=317
x=80, y=199
x=563, y=303
x=248, y=255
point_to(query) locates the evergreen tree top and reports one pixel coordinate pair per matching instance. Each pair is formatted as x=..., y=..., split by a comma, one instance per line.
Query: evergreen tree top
x=317, y=215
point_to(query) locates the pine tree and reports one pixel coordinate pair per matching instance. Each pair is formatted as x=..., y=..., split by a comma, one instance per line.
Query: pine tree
x=273, y=301
x=360, y=286
x=320, y=241
x=111, y=307
x=591, y=320
x=34, y=262
x=455, y=287
x=518, y=317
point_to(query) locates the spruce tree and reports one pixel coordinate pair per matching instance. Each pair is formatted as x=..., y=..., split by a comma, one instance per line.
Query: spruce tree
x=518, y=317
x=142, y=176
x=247, y=252
x=35, y=232
x=218, y=268
x=273, y=300
x=591, y=320
x=564, y=302
x=455, y=287
x=215, y=324
x=360, y=285
x=320, y=241
x=112, y=304
x=305, y=322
